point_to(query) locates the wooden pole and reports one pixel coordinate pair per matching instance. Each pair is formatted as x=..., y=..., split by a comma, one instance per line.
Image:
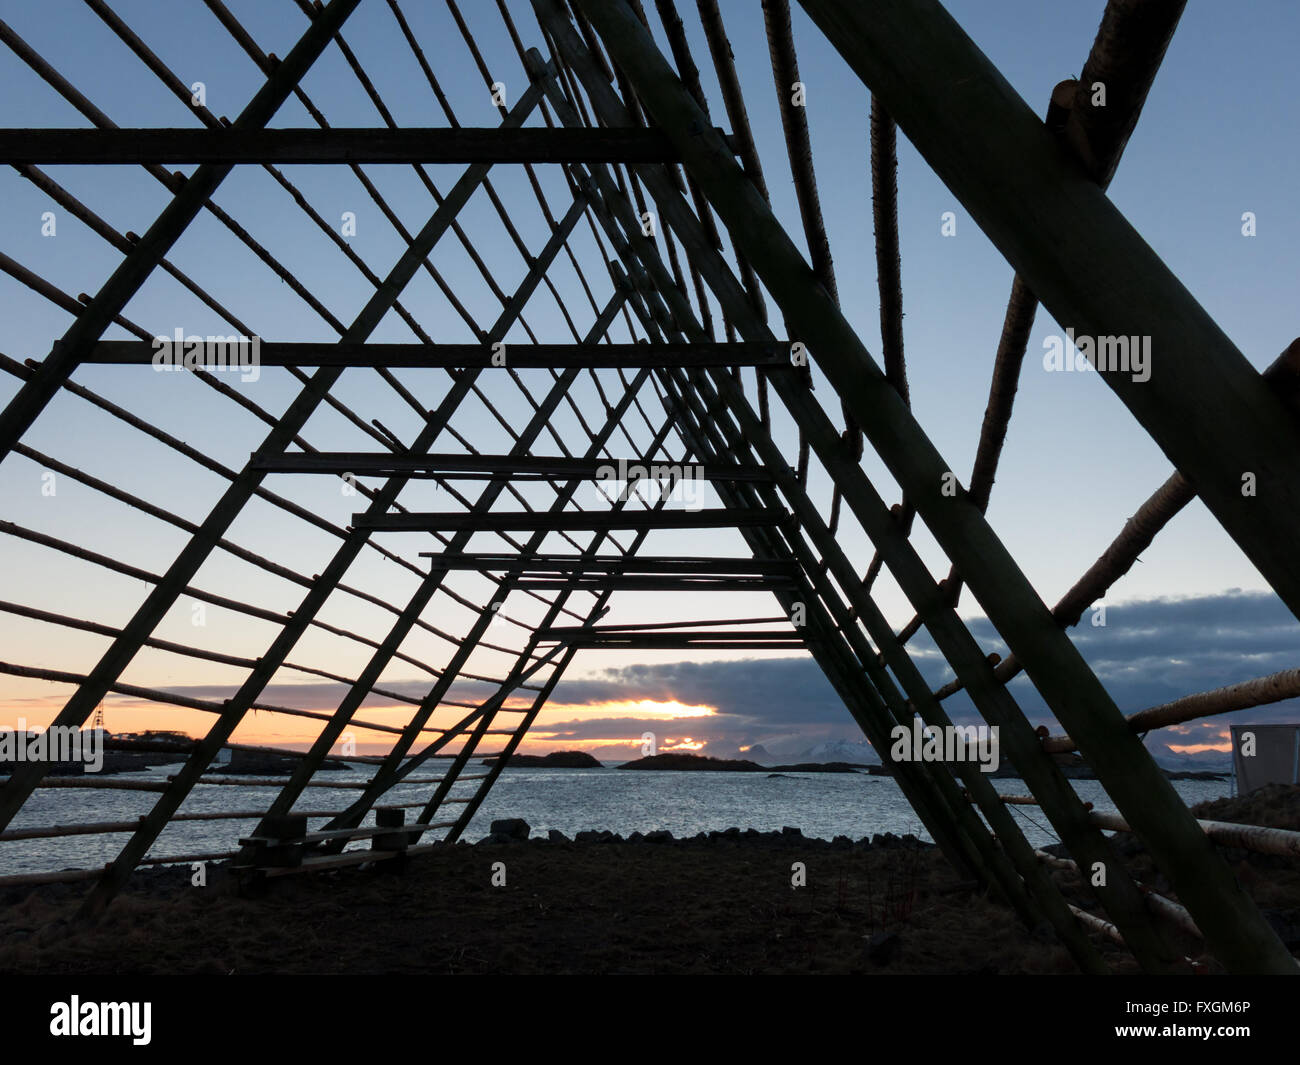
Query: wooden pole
x=1280, y=841
x=1202, y=403
x=517, y=466
x=1258, y=692
x=1128, y=50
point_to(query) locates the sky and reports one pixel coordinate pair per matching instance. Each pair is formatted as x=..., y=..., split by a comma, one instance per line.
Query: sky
x=1212, y=144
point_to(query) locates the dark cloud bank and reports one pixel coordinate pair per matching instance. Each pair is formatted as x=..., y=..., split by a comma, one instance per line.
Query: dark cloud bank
x=1148, y=652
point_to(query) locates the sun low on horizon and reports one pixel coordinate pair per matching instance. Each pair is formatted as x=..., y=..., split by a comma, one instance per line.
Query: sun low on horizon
x=126, y=714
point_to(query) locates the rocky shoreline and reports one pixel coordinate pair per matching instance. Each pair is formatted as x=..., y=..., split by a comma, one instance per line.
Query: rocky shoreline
x=515, y=830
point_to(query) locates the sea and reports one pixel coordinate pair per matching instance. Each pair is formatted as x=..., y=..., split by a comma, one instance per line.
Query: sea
x=820, y=805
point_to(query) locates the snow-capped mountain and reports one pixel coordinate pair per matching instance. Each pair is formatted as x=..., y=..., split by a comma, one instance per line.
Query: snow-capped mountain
x=839, y=751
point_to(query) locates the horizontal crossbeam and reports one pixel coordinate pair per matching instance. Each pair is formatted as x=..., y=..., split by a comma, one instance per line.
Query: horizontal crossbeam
x=578, y=521
x=608, y=564
x=338, y=145
x=637, y=644
x=648, y=626
x=623, y=583
x=716, y=640
x=469, y=467
x=184, y=351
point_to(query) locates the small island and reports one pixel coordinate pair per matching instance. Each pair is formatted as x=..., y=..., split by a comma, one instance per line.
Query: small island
x=678, y=761
x=554, y=760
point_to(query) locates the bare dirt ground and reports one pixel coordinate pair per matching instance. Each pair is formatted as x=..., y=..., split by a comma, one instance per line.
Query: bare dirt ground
x=724, y=904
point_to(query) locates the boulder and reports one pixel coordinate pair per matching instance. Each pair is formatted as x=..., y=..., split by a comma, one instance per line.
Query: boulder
x=511, y=827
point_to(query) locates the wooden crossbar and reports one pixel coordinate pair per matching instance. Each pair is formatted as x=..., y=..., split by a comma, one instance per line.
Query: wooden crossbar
x=335, y=145
x=360, y=463
x=662, y=583
x=626, y=565
x=223, y=353
x=585, y=521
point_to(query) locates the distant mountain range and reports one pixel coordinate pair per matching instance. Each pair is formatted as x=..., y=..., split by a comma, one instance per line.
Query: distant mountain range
x=859, y=751
x=1214, y=761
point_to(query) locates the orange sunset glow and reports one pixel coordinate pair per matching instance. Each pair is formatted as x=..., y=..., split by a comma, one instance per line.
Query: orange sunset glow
x=124, y=714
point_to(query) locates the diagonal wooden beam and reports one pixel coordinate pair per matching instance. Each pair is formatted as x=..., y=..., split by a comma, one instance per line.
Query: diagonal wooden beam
x=873, y=705
x=1203, y=403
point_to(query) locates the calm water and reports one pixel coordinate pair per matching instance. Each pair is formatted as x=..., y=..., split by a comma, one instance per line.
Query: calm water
x=820, y=804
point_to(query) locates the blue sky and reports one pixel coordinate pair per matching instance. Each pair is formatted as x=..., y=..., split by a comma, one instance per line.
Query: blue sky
x=1213, y=142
